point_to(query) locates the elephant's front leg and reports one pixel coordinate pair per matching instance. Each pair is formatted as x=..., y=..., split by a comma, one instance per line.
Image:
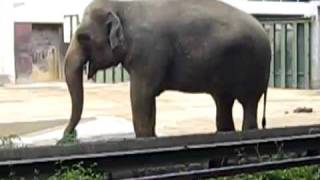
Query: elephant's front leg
x=143, y=109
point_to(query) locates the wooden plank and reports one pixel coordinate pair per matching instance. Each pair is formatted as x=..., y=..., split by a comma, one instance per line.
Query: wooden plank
x=283, y=20
x=99, y=77
x=118, y=74
x=113, y=75
x=108, y=76
x=295, y=56
x=307, y=55
x=104, y=76
x=300, y=52
x=122, y=74
x=277, y=56
x=272, y=44
x=126, y=76
x=283, y=55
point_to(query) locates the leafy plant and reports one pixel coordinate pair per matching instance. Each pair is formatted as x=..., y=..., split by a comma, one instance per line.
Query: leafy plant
x=78, y=171
x=70, y=138
x=298, y=173
x=11, y=141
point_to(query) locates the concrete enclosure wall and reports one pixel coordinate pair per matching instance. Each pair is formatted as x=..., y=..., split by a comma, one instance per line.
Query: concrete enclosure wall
x=7, y=72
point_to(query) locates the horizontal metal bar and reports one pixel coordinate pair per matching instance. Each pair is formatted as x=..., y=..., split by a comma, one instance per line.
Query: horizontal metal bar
x=151, y=143
x=283, y=21
x=150, y=152
x=166, y=149
x=239, y=169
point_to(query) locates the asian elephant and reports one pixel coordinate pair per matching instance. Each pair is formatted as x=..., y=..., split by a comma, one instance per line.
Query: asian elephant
x=195, y=46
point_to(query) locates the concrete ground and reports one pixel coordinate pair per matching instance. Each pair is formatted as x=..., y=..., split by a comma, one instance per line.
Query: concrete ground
x=26, y=109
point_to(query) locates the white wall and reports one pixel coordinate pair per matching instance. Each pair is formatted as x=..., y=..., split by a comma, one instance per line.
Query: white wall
x=7, y=40
x=54, y=10
x=315, y=52
x=269, y=7
x=49, y=11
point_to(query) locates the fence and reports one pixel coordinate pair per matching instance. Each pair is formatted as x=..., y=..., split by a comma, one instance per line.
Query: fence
x=112, y=75
x=290, y=44
x=180, y=157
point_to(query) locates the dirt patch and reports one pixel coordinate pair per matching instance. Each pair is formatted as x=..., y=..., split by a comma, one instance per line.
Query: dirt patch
x=303, y=110
x=21, y=128
x=33, y=107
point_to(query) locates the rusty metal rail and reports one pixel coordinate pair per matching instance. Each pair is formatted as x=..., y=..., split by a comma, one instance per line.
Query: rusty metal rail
x=183, y=157
x=236, y=169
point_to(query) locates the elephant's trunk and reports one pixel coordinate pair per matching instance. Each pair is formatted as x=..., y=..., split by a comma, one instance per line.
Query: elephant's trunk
x=74, y=61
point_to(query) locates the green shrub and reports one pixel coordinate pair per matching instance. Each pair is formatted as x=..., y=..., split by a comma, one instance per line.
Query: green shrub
x=77, y=172
x=9, y=142
x=298, y=173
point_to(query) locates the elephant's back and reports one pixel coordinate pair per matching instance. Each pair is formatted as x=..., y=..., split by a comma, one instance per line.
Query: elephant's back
x=170, y=16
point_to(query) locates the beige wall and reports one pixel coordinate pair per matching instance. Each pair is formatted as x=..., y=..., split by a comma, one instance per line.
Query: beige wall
x=6, y=41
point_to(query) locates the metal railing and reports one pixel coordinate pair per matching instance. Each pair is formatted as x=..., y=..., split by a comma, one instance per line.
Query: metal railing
x=184, y=157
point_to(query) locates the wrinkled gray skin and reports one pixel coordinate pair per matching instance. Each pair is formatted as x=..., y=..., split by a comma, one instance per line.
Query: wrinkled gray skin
x=195, y=46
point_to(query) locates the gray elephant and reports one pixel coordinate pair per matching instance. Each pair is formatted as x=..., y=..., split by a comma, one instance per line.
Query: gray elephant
x=195, y=46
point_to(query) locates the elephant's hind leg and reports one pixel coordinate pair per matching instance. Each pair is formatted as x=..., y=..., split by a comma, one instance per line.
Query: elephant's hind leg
x=250, y=106
x=224, y=119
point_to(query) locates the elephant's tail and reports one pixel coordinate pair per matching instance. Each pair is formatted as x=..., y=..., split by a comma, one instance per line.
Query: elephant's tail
x=264, y=109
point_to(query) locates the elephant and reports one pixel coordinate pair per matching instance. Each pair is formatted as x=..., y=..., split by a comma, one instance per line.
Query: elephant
x=192, y=46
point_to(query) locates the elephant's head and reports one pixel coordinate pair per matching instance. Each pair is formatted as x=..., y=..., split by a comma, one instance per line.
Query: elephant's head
x=98, y=35
x=98, y=41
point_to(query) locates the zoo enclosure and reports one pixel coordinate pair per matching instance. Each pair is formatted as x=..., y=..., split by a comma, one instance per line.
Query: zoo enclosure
x=290, y=43
x=290, y=39
x=180, y=157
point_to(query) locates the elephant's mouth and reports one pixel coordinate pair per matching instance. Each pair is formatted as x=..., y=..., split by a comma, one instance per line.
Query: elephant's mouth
x=92, y=69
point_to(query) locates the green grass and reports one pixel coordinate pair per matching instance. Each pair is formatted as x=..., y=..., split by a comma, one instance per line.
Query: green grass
x=78, y=171
x=8, y=142
x=299, y=173
x=69, y=138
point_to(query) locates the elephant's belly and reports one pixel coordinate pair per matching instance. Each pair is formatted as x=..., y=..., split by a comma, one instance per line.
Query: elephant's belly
x=189, y=81
x=209, y=79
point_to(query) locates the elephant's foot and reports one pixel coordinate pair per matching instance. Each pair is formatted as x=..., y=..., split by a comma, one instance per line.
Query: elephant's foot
x=69, y=138
x=145, y=134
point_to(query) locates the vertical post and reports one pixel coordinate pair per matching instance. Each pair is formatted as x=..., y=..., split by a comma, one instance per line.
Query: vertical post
x=104, y=76
x=295, y=56
x=71, y=26
x=77, y=19
x=108, y=75
x=307, y=55
x=315, y=51
x=272, y=41
x=122, y=74
x=283, y=54
x=113, y=75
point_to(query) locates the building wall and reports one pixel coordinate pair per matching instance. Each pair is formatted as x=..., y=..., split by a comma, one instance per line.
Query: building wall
x=315, y=52
x=7, y=70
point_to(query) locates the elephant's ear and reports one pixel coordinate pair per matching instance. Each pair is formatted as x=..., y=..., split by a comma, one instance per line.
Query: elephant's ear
x=114, y=30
